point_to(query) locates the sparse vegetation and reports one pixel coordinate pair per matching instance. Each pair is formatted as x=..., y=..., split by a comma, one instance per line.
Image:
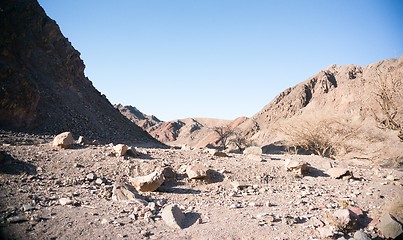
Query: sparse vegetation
x=224, y=133
x=388, y=92
x=326, y=137
x=240, y=140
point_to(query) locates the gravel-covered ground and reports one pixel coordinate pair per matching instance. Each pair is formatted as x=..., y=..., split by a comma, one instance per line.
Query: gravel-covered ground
x=241, y=199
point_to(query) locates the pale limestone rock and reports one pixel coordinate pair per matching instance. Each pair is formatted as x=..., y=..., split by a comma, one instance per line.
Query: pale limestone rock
x=253, y=153
x=147, y=183
x=120, y=150
x=63, y=140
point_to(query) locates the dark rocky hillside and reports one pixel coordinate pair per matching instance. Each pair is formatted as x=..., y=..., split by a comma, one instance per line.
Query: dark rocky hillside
x=43, y=88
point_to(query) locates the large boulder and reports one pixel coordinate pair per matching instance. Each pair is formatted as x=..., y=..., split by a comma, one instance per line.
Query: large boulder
x=147, y=183
x=63, y=140
x=253, y=153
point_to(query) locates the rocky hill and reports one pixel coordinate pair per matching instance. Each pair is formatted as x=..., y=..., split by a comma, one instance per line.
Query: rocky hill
x=351, y=94
x=43, y=88
x=194, y=132
x=140, y=119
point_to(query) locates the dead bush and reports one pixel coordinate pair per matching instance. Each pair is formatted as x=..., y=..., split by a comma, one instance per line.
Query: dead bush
x=239, y=140
x=326, y=137
x=224, y=133
x=388, y=94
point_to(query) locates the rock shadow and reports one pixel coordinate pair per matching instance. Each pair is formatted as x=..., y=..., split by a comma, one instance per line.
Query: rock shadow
x=13, y=166
x=314, y=172
x=171, y=186
x=190, y=219
x=213, y=176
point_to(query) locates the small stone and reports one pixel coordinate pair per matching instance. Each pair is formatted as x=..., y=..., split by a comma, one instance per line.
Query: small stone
x=83, y=141
x=105, y=221
x=325, y=232
x=36, y=218
x=91, y=176
x=342, y=217
x=16, y=219
x=65, y=201
x=27, y=207
x=173, y=216
x=361, y=235
x=99, y=181
x=63, y=140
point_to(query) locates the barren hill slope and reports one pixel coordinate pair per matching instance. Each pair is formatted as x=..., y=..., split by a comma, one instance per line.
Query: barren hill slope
x=350, y=94
x=43, y=88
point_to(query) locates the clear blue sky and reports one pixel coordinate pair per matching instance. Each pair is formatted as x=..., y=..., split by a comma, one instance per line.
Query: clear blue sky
x=221, y=58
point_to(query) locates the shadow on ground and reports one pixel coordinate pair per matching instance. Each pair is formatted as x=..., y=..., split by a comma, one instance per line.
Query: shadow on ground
x=10, y=165
x=190, y=219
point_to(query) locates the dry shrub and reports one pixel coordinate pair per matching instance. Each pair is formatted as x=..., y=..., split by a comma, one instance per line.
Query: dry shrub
x=326, y=137
x=388, y=93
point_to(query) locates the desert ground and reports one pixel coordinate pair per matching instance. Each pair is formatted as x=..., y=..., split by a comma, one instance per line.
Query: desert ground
x=66, y=193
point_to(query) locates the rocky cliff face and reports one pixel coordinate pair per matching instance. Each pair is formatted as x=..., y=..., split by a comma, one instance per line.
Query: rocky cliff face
x=43, y=88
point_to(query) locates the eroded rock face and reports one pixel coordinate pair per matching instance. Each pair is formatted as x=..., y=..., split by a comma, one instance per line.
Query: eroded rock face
x=42, y=83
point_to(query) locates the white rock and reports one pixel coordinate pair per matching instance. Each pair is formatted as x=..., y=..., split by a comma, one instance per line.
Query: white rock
x=253, y=153
x=65, y=201
x=120, y=149
x=63, y=140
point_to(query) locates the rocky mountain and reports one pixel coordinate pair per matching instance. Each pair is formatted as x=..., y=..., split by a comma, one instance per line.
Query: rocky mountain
x=354, y=95
x=195, y=132
x=140, y=119
x=43, y=88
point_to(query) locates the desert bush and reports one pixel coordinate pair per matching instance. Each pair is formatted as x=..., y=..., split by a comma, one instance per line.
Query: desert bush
x=224, y=133
x=240, y=140
x=388, y=94
x=326, y=137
